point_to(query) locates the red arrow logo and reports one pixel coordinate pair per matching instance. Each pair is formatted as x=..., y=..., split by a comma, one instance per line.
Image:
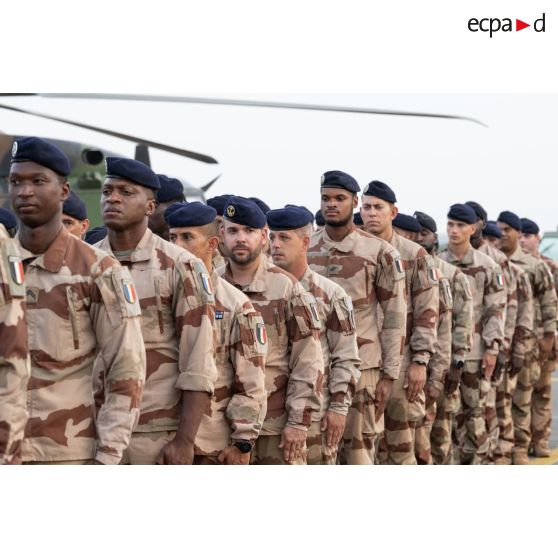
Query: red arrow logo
x=519, y=25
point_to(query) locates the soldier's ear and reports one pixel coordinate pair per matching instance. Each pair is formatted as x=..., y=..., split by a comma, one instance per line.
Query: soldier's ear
x=355, y=201
x=150, y=207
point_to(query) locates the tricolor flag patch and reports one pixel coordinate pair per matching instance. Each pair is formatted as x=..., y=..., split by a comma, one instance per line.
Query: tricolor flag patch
x=398, y=265
x=314, y=312
x=129, y=291
x=261, y=334
x=500, y=279
x=434, y=274
x=206, y=282
x=16, y=270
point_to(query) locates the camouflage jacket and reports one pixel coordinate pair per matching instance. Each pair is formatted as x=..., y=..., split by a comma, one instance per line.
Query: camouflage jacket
x=177, y=318
x=524, y=331
x=421, y=292
x=553, y=266
x=339, y=342
x=294, y=366
x=14, y=354
x=238, y=404
x=486, y=282
x=78, y=308
x=371, y=273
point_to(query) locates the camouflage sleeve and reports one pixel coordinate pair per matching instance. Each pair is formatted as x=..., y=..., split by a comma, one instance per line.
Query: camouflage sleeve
x=390, y=292
x=440, y=362
x=14, y=356
x=524, y=327
x=545, y=293
x=511, y=310
x=306, y=360
x=425, y=301
x=463, y=317
x=344, y=366
x=494, y=304
x=247, y=406
x=116, y=318
x=194, y=306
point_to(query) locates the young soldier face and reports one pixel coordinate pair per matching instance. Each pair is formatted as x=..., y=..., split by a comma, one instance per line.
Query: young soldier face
x=510, y=237
x=459, y=232
x=377, y=214
x=243, y=244
x=125, y=204
x=529, y=242
x=426, y=238
x=337, y=205
x=200, y=241
x=75, y=226
x=36, y=193
x=287, y=247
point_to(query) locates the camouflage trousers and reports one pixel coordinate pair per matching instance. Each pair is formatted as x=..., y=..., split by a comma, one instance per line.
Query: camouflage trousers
x=506, y=437
x=319, y=453
x=541, y=404
x=358, y=446
x=521, y=403
x=266, y=451
x=401, y=419
x=492, y=422
x=472, y=438
x=145, y=447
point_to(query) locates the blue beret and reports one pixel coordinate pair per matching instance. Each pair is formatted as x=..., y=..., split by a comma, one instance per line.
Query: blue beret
x=462, y=212
x=320, y=221
x=74, y=207
x=132, y=170
x=492, y=229
x=406, y=222
x=425, y=221
x=261, y=204
x=171, y=189
x=357, y=218
x=41, y=152
x=478, y=209
x=7, y=218
x=171, y=209
x=243, y=211
x=339, y=179
x=380, y=190
x=310, y=214
x=528, y=226
x=511, y=219
x=94, y=235
x=288, y=218
x=218, y=203
x=193, y=214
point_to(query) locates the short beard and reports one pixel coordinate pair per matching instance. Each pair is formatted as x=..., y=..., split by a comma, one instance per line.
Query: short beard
x=341, y=223
x=245, y=260
x=428, y=247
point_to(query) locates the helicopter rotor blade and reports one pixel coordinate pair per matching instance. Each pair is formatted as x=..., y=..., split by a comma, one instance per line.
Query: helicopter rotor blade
x=262, y=104
x=156, y=145
x=209, y=184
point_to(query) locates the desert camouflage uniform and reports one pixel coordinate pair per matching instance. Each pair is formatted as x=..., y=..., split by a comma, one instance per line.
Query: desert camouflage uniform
x=79, y=309
x=294, y=366
x=421, y=291
x=541, y=405
x=544, y=294
x=341, y=361
x=371, y=273
x=238, y=404
x=510, y=319
x=437, y=367
x=14, y=354
x=177, y=318
x=521, y=340
x=486, y=282
x=461, y=341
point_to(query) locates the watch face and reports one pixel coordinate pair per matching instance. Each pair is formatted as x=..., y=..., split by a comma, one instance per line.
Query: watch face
x=244, y=447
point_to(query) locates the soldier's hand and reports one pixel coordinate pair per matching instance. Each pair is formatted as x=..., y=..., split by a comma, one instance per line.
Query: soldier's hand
x=431, y=393
x=293, y=441
x=453, y=378
x=233, y=456
x=515, y=366
x=176, y=452
x=415, y=378
x=488, y=364
x=501, y=365
x=334, y=423
x=381, y=396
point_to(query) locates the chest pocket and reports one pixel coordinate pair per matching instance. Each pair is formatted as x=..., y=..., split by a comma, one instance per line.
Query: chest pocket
x=446, y=298
x=277, y=333
x=156, y=299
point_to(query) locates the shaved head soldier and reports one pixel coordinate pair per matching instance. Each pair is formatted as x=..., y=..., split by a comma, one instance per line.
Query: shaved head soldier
x=290, y=232
x=79, y=308
x=406, y=407
x=170, y=191
x=294, y=365
x=371, y=273
x=14, y=353
x=486, y=283
x=229, y=429
x=177, y=301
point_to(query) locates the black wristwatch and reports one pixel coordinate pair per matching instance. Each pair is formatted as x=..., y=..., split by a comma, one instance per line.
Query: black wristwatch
x=244, y=446
x=459, y=364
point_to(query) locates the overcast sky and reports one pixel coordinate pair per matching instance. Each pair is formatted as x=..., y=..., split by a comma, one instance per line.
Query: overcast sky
x=279, y=155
